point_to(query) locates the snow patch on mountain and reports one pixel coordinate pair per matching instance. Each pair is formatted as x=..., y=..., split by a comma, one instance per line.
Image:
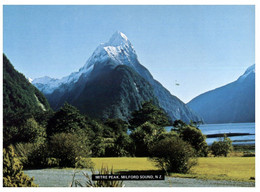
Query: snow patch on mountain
x=29, y=79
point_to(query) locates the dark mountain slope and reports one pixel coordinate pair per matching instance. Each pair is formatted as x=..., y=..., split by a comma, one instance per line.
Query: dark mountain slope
x=19, y=95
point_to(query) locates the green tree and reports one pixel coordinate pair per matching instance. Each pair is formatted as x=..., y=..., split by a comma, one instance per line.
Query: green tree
x=98, y=147
x=32, y=131
x=13, y=176
x=149, y=113
x=97, y=136
x=120, y=146
x=173, y=155
x=222, y=147
x=143, y=136
x=27, y=130
x=118, y=125
x=123, y=145
x=194, y=136
x=68, y=120
x=178, y=125
x=120, y=142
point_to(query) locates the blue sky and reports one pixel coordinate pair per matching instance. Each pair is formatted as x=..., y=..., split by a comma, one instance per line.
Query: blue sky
x=198, y=47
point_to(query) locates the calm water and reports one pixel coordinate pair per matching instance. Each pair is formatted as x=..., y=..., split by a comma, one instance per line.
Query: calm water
x=208, y=129
x=63, y=178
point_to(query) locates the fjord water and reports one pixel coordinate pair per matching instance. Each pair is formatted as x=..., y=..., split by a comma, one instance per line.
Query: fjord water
x=209, y=129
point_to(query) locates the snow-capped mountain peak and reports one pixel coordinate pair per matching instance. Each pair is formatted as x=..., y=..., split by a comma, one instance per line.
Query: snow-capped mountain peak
x=117, y=39
x=119, y=49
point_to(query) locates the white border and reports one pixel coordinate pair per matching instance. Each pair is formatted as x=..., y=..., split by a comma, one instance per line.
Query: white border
x=138, y=2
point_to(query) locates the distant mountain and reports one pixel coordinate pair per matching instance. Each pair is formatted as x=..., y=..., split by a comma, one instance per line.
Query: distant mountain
x=106, y=59
x=19, y=95
x=232, y=103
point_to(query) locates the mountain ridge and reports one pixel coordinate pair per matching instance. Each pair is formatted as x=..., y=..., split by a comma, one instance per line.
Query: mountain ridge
x=231, y=103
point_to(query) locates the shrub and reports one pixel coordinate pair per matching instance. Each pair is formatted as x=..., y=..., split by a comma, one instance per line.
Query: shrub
x=34, y=155
x=23, y=149
x=67, y=146
x=13, y=176
x=37, y=157
x=248, y=154
x=194, y=136
x=173, y=155
x=222, y=147
x=52, y=162
x=82, y=162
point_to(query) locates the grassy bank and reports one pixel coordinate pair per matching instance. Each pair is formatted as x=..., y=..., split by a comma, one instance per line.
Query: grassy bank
x=217, y=168
x=223, y=168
